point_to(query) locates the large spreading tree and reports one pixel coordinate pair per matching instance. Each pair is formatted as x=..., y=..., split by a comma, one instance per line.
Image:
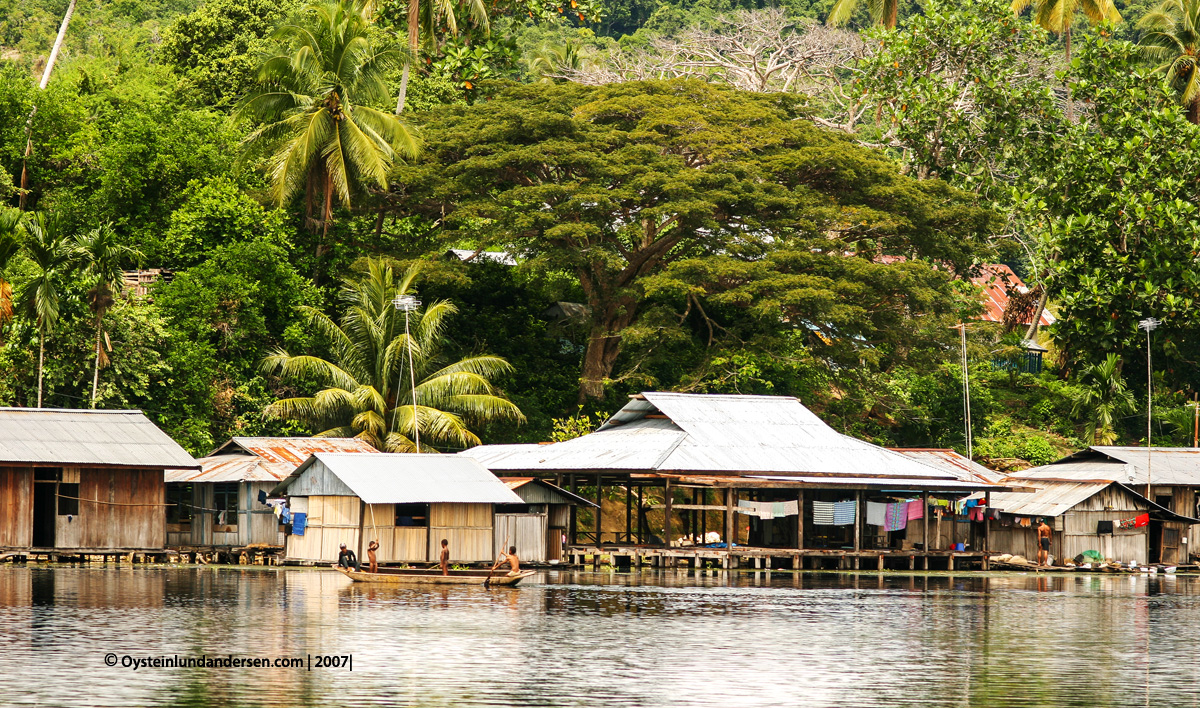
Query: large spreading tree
x=615, y=183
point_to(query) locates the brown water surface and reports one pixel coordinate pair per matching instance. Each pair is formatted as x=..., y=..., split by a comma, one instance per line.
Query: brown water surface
x=584, y=639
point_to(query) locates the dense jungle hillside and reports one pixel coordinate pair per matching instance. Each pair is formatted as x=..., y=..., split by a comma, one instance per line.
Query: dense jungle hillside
x=494, y=221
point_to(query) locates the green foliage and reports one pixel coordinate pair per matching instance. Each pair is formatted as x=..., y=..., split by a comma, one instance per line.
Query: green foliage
x=1171, y=39
x=1104, y=401
x=215, y=214
x=217, y=47
x=571, y=427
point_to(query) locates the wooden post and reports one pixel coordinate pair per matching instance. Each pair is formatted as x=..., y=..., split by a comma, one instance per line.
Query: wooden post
x=640, y=521
x=858, y=521
x=599, y=507
x=925, y=526
x=628, y=512
x=667, y=512
x=362, y=515
x=729, y=533
x=704, y=517
x=572, y=532
x=987, y=528
x=800, y=520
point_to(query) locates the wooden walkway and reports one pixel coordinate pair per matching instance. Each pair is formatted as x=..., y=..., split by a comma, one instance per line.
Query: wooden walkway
x=776, y=558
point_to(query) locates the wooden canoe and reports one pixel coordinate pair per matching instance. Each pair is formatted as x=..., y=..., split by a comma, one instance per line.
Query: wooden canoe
x=418, y=576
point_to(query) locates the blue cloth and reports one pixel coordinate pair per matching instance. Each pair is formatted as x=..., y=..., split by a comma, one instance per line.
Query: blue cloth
x=843, y=513
x=299, y=521
x=286, y=517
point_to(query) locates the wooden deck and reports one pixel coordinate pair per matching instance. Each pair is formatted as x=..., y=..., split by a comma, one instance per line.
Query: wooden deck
x=776, y=558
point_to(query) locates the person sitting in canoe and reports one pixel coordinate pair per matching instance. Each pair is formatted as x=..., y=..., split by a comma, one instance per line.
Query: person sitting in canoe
x=347, y=559
x=512, y=560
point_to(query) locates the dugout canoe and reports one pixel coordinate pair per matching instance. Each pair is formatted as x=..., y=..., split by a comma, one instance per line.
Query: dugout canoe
x=433, y=576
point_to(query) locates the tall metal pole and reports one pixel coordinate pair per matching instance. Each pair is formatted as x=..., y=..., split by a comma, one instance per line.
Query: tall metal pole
x=1149, y=324
x=408, y=303
x=962, y=329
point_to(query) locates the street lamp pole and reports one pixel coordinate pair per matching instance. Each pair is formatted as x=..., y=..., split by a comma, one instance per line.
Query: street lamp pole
x=1149, y=324
x=407, y=304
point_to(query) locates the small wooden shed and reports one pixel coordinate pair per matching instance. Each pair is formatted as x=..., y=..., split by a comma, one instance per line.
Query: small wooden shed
x=1083, y=516
x=539, y=524
x=83, y=481
x=218, y=506
x=408, y=502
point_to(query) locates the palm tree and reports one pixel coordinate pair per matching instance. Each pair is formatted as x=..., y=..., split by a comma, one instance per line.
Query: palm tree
x=1057, y=16
x=102, y=256
x=1172, y=39
x=429, y=16
x=52, y=253
x=10, y=243
x=1105, y=398
x=882, y=12
x=366, y=393
x=550, y=60
x=319, y=132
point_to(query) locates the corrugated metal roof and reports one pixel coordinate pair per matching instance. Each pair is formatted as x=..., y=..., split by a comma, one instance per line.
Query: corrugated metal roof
x=1168, y=465
x=263, y=459
x=1084, y=471
x=706, y=434
x=410, y=478
x=516, y=483
x=1050, y=499
x=897, y=484
x=954, y=463
x=999, y=282
x=87, y=437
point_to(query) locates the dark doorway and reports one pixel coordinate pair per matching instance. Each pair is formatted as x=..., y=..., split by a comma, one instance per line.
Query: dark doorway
x=45, y=513
x=1156, y=540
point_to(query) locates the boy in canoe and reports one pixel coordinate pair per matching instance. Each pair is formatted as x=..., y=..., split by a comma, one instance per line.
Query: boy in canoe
x=374, y=563
x=512, y=560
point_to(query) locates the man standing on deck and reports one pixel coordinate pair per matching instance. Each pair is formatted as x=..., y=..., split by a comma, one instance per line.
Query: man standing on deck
x=1043, y=534
x=444, y=561
x=371, y=548
x=512, y=560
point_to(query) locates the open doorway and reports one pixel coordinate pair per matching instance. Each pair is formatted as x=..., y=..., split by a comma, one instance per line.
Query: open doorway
x=45, y=513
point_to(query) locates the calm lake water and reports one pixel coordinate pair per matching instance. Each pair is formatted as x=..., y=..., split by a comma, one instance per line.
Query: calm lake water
x=567, y=639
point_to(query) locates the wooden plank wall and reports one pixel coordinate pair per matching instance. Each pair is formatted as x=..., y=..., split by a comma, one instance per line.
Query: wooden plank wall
x=468, y=528
x=134, y=517
x=16, y=507
x=397, y=544
x=525, y=531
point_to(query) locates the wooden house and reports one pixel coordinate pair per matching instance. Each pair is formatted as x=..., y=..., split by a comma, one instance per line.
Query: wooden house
x=539, y=524
x=1084, y=515
x=83, y=481
x=408, y=502
x=1164, y=480
x=219, y=506
x=753, y=477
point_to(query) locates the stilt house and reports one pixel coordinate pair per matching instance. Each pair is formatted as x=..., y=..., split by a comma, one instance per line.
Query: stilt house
x=538, y=525
x=219, y=505
x=84, y=481
x=408, y=502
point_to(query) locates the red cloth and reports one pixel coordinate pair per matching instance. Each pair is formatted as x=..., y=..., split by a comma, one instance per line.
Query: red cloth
x=1141, y=520
x=916, y=510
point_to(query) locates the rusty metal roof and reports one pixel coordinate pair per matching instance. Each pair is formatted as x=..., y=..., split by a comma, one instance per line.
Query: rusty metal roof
x=87, y=437
x=263, y=459
x=515, y=483
x=700, y=434
x=954, y=463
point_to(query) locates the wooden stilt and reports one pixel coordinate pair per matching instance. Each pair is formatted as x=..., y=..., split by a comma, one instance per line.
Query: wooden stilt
x=925, y=522
x=987, y=529
x=667, y=494
x=800, y=520
x=628, y=512
x=729, y=530
x=599, y=507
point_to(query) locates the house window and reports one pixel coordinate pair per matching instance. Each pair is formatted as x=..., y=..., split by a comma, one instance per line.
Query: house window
x=225, y=503
x=68, y=499
x=179, y=497
x=412, y=515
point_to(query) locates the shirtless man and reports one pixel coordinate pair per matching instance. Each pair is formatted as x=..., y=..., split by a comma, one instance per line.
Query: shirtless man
x=444, y=561
x=1043, y=534
x=371, y=548
x=510, y=558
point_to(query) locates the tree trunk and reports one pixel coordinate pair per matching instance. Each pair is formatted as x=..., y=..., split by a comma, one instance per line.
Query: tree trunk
x=893, y=7
x=1070, y=108
x=1193, y=113
x=58, y=42
x=96, y=368
x=1031, y=333
x=414, y=25
x=604, y=344
x=41, y=362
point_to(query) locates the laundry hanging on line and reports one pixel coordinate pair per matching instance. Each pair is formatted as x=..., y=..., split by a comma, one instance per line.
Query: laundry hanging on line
x=822, y=513
x=876, y=513
x=844, y=513
x=768, y=510
x=897, y=517
x=916, y=510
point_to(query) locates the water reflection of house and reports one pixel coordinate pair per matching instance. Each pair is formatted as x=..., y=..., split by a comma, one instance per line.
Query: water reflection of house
x=538, y=525
x=408, y=502
x=218, y=506
x=1083, y=494
x=83, y=481
x=759, y=470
